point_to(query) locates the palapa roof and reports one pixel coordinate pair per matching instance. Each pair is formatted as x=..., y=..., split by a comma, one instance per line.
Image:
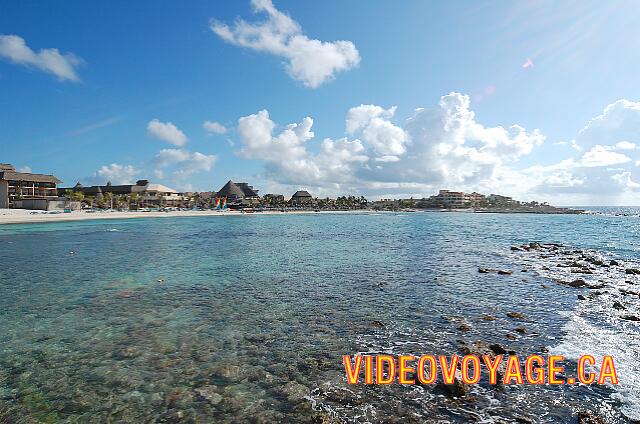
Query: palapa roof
x=27, y=176
x=301, y=193
x=231, y=189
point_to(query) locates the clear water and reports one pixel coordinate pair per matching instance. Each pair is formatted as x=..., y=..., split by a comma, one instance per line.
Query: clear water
x=245, y=319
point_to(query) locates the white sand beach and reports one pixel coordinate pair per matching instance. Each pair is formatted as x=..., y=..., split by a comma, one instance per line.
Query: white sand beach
x=23, y=216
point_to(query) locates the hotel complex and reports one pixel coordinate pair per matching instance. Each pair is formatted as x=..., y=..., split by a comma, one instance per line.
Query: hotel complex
x=26, y=190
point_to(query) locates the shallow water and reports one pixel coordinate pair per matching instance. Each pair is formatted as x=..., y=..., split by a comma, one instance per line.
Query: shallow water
x=236, y=319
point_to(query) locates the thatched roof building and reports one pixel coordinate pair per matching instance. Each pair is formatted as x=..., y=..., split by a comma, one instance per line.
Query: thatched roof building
x=301, y=196
x=238, y=191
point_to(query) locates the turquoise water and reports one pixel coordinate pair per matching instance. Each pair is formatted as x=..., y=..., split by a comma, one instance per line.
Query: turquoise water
x=245, y=319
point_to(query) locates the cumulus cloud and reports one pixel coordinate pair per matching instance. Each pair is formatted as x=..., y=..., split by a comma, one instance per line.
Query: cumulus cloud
x=115, y=173
x=603, y=156
x=606, y=171
x=618, y=123
x=447, y=147
x=15, y=49
x=372, y=123
x=214, y=127
x=166, y=131
x=624, y=179
x=183, y=162
x=311, y=61
x=435, y=147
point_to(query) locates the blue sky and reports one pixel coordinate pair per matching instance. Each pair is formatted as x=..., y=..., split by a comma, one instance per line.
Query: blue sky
x=477, y=68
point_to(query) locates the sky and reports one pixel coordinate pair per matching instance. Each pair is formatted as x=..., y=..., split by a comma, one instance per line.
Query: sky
x=539, y=100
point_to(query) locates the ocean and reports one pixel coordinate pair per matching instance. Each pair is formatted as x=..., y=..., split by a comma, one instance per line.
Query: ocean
x=246, y=318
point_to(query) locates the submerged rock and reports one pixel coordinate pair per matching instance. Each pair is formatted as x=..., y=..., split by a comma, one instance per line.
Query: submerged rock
x=209, y=394
x=376, y=324
x=465, y=327
x=632, y=271
x=294, y=391
x=516, y=315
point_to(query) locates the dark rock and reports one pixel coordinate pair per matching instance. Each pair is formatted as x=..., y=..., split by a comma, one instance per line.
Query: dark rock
x=486, y=317
x=613, y=262
x=544, y=286
x=581, y=297
x=521, y=330
x=586, y=417
x=516, y=315
x=484, y=270
x=618, y=305
x=577, y=283
x=535, y=245
x=630, y=318
x=516, y=249
x=632, y=271
x=502, y=272
x=497, y=349
x=457, y=389
x=511, y=336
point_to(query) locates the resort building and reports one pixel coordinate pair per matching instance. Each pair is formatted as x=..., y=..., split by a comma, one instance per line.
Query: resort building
x=27, y=190
x=149, y=194
x=450, y=199
x=241, y=193
x=476, y=198
x=301, y=196
x=498, y=199
x=273, y=198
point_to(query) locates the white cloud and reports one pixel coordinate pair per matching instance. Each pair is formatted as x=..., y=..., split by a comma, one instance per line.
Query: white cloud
x=15, y=49
x=183, y=162
x=441, y=146
x=387, y=139
x=166, y=131
x=311, y=61
x=603, y=156
x=214, y=127
x=358, y=117
x=115, y=173
x=446, y=147
x=626, y=145
x=26, y=169
x=624, y=179
x=619, y=122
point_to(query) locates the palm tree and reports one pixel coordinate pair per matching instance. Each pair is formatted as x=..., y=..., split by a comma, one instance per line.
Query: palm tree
x=108, y=199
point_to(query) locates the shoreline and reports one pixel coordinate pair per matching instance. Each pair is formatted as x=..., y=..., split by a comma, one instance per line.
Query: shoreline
x=26, y=217
x=23, y=216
